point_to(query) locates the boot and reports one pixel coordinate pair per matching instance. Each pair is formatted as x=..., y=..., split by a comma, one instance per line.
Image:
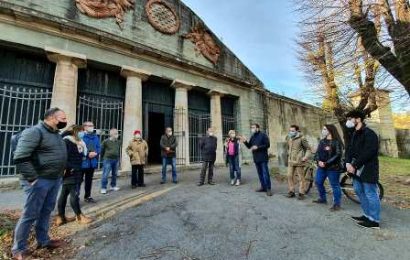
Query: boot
x=82, y=219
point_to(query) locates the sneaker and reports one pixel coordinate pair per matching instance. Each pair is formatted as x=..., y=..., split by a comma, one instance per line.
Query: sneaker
x=200, y=184
x=90, y=200
x=361, y=218
x=301, y=196
x=269, y=193
x=291, y=194
x=319, y=201
x=369, y=224
x=232, y=182
x=335, y=208
x=103, y=191
x=238, y=182
x=211, y=183
x=115, y=188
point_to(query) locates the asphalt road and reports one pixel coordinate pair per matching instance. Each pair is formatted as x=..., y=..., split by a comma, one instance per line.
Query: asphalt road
x=224, y=222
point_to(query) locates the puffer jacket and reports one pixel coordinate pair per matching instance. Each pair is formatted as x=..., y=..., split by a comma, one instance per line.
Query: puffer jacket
x=298, y=149
x=93, y=145
x=40, y=154
x=137, y=150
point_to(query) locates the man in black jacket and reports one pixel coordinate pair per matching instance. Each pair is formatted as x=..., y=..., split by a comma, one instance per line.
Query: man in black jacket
x=208, y=145
x=362, y=162
x=40, y=158
x=259, y=145
x=168, y=145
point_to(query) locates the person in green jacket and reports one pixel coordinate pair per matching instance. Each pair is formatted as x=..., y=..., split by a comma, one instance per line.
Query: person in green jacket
x=110, y=153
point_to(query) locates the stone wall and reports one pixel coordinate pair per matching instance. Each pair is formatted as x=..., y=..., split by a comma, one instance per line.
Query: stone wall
x=403, y=142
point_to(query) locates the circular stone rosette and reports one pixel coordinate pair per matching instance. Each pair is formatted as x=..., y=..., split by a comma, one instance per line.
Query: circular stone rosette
x=162, y=16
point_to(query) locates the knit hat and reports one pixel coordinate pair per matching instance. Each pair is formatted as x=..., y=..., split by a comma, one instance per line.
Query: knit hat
x=137, y=132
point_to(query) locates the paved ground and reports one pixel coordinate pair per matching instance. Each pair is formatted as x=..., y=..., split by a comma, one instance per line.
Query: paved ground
x=224, y=222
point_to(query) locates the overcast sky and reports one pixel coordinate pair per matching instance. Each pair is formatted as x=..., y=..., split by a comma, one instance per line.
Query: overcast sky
x=262, y=34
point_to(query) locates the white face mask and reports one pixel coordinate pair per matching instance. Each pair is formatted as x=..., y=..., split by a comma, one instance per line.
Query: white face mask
x=114, y=137
x=232, y=136
x=169, y=133
x=350, y=123
x=253, y=130
x=90, y=129
x=325, y=133
x=210, y=134
x=137, y=136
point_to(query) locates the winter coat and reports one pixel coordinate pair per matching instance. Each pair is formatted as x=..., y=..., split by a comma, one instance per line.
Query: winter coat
x=261, y=140
x=40, y=154
x=298, y=150
x=76, y=152
x=93, y=145
x=208, y=145
x=363, y=150
x=330, y=152
x=137, y=150
x=236, y=146
x=171, y=142
x=110, y=149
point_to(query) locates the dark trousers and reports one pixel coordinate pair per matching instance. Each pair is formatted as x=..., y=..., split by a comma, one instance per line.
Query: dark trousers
x=69, y=189
x=263, y=174
x=205, y=166
x=87, y=177
x=137, y=175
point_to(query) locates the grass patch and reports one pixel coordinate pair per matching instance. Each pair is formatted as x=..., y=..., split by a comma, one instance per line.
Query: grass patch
x=394, y=173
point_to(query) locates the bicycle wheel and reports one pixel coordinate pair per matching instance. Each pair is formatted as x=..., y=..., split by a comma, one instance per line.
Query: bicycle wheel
x=347, y=188
x=308, y=179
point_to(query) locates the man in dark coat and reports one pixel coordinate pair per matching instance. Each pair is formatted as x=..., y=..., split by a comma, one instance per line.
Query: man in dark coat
x=40, y=158
x=362, y=162
x=208, y=145
x=259, y=145
x=168, y=145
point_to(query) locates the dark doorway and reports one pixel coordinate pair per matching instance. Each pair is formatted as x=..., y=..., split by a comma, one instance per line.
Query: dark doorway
x=156, y=125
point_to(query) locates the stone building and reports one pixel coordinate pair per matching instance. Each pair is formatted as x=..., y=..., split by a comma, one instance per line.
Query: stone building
x=132, y=64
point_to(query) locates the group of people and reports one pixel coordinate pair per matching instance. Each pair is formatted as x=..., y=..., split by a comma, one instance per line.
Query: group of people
x=49, y=161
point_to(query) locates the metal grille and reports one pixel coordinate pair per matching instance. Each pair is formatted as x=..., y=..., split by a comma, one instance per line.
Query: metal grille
x=180, y=134
x=21, y=107
x=198, y=125
x=104, y=112
x=228, y=123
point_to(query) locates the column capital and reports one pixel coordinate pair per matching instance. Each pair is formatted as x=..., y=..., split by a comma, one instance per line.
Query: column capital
x=216, y=92
x=128, y=71
x=56, y=55
x=177, y=83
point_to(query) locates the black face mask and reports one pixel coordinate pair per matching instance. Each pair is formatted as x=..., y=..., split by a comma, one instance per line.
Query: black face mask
x=61, y=125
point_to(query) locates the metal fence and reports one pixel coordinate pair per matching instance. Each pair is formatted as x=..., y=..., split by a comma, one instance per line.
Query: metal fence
x=228, y=123
x=198, y=125
x=104, y=112
x=21, y=107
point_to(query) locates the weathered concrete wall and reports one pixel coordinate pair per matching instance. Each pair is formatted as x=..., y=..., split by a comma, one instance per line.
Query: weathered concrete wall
x=136, y=29
x=403, y=142
x=283, y=112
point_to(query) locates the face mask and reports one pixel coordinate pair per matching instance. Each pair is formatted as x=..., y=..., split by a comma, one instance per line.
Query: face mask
x=292, y=134
x=80, y=135
x=169, y=133
x=61, y=125
x=350, y=124
x=90, y=130
x=325, y=133
x=232, y=136
x=210, y=134
x=253, y=130
x=114, y=137
x=137, y=136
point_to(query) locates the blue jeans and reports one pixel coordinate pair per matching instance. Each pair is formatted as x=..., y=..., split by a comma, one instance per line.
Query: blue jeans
x=40, y=200
x=109, y=166
x=263, y=173
x=165, y=162
x=334, y=179
x=234, y=167
x=369, y=199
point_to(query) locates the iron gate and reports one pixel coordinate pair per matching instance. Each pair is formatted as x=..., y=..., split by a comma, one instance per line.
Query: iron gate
x=180, y=134
x=198, y=125
x=228, y=123
x=21, y=107
x=104, y=112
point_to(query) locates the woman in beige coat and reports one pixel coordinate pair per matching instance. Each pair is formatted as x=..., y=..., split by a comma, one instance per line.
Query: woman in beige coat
x=137, y=150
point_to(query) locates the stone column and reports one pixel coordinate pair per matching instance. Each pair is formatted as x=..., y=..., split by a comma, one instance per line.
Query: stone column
x=216, y=122
x=65, y=80
x=132, y=108
x=181, y=123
